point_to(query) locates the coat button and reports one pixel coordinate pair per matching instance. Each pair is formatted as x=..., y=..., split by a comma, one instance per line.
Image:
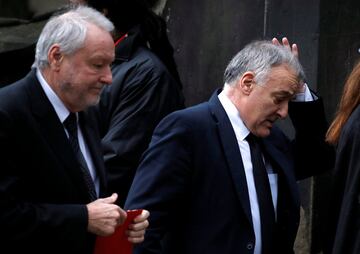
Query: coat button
x=250, y=246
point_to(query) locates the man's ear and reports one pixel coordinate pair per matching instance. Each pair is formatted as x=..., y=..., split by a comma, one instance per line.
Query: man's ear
x=246, y=82
x=55, y=57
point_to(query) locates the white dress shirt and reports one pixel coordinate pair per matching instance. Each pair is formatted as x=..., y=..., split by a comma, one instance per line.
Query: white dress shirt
x=62, y=112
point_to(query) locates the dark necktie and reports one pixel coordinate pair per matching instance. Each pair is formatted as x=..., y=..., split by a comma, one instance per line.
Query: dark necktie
x=71, y=126
x=266, y=207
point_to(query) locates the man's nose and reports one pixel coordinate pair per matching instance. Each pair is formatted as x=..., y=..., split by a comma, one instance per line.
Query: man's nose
x=283, y=109
x=106, y=78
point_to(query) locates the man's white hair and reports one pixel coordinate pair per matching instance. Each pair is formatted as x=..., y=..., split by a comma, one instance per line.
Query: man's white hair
x=68, y=30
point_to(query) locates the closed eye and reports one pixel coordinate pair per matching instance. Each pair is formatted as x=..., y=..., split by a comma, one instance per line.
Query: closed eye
x=279, y=100
x=280, y=97
x=98, y=66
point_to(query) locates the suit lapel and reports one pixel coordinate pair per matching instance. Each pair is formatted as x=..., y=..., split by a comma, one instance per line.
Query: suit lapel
x=286, y=168
x=232, y=153
x=52, y=130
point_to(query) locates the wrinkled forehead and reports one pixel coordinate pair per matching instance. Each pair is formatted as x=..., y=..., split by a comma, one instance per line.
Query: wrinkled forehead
x=283, y=78
x=284, y=73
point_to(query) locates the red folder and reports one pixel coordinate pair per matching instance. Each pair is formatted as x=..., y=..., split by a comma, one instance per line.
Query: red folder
x=117, y=243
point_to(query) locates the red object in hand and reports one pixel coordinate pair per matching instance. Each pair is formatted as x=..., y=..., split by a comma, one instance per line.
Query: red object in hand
x=117, y=243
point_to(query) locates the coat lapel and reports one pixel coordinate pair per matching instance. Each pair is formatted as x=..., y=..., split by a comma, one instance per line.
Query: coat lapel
x=285, y=166
x=52, y=130
x=232, y=153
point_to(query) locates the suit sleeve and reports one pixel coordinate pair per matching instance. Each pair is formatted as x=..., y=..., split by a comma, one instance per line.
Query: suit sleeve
x=162, y=180
x=22, y=218
x=311, y=153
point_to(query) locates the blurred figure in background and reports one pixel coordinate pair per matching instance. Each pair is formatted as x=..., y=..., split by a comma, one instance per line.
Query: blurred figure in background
x=344, y=132
x=146, y=87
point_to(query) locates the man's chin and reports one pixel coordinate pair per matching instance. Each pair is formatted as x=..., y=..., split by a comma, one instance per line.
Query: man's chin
x=264, y=132
x=92, y=102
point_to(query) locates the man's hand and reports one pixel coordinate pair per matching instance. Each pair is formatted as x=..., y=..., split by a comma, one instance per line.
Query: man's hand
x=104, y=216
x=136, y=230
x=285, y=42
x=294, y=49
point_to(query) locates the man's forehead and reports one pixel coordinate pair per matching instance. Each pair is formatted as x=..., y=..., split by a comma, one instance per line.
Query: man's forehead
x=283, y=80
x=283, y=73
x=283, y=70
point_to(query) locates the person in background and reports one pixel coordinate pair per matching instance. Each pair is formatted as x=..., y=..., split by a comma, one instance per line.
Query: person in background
x=220, y=177
x=146, y=87
x=53, y=196
x=344, y=132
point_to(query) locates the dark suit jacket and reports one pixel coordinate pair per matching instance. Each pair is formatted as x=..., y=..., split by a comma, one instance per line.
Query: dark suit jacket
x=42, y=193
x=192, y=180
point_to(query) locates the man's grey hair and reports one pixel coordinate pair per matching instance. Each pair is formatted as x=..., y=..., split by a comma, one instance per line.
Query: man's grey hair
x=68, y=30
x=259, y=57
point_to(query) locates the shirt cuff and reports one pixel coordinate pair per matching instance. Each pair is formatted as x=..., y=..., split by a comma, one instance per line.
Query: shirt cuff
x=307, y=95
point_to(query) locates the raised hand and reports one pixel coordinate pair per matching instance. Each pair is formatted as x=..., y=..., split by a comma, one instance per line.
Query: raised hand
x=294, y=49
x=285, y=42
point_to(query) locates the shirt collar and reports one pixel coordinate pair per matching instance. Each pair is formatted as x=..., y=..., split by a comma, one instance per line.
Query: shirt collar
x=60, y=109
x=241, y=131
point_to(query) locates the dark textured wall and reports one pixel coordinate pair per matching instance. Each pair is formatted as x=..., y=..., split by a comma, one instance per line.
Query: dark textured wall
x=15, y=9
x=339, y=47
x=205, y=35
x=20, y=24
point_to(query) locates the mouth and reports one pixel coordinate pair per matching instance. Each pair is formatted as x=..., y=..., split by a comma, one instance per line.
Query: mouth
x=269, y=123
x=97, y=89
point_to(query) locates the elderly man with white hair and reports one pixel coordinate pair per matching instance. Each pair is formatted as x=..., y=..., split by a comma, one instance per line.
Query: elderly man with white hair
x=52, y=182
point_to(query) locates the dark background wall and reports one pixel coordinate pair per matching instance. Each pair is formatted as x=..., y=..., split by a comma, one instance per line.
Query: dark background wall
x=7, y=8
x=20, y=24
x=205, y=35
